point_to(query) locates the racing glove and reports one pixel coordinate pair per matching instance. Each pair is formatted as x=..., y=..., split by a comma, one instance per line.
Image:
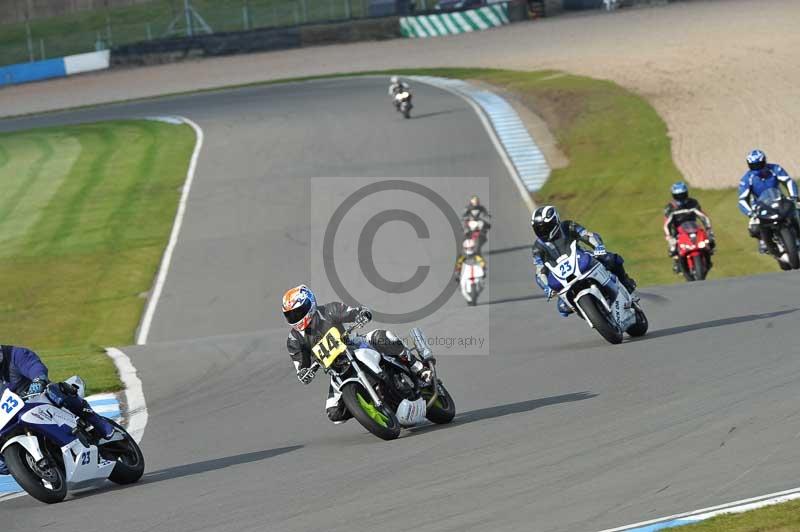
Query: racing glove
x=306, y=375
x=549, y=292
x=37, y=386
x=599, y=251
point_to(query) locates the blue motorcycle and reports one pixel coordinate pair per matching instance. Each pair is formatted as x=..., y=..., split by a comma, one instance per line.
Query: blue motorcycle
x=50, y=451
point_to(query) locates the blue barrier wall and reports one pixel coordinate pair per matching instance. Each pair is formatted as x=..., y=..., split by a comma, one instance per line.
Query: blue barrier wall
x=26, y=72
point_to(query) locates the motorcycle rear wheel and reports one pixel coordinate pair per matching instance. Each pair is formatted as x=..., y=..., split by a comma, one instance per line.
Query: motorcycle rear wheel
x=640, y=327
x=380, y=421
x=600, y=320
x=20, y=463
x=130, y=460
x=443, y=409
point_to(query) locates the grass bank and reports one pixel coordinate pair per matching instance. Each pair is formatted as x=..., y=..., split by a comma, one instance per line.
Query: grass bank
x=85, y=217
x=620, y=170
x=778, y=518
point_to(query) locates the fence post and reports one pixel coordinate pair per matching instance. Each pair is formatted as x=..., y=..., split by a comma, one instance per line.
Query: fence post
x=347, y=11
x=332, y=10
x=149, y=32
x=109, y=35
x=30, y=42
x=305, y=10
x=246, y=15
x=41, y=46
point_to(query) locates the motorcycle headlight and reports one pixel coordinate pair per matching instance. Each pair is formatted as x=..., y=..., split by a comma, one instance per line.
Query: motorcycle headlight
x=702, y=244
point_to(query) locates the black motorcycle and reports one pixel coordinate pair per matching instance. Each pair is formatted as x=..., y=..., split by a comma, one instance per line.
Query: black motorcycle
x=777, y=221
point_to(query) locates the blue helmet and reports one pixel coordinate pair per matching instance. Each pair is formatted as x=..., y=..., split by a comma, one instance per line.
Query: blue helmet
x=757, y=160
x=680, y=191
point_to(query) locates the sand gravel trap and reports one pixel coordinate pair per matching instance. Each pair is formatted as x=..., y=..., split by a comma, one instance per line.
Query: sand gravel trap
x=724, y=74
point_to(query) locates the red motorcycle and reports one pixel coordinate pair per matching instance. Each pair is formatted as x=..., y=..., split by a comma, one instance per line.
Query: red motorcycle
x=694, y=251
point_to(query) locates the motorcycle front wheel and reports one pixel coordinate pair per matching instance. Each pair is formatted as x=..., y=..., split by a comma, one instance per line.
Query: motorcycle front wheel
x=790, y=245
x=699, y=268
x=34, y=479
x=380, y=421
x=600, y=320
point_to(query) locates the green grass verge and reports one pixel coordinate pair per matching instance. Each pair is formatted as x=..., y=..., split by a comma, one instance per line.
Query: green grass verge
x=84, y=220
x=778, y=518
x=620, y=171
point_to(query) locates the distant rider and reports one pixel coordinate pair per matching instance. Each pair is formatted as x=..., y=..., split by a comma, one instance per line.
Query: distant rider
x=24, y=373
x=396, y=87
x=760, y=177
x=475, y=211
x=310, y=322
x=680, y=210
x=551, y=232
x=469, y=250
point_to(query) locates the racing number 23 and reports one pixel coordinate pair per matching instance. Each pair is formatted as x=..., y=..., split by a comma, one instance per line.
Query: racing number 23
x=329, y=347
x=9, y=405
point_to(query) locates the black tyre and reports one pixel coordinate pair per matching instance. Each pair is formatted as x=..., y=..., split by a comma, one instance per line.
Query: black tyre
x=128, y=456
x=790, y=245
x=699, y=267
x=640, y=327
x=32, y=478
x=443, y=410
x=600, y=320
x=688, y=275
x=380, y=421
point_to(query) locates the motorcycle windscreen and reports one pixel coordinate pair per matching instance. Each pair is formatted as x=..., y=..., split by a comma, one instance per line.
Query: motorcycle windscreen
x=770, y=195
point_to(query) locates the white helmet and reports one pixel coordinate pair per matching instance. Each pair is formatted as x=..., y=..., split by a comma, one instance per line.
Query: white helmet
x=394, y=80
x=546, y=223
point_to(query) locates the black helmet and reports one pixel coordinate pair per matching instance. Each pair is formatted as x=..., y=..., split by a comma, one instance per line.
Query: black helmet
x=546, y=223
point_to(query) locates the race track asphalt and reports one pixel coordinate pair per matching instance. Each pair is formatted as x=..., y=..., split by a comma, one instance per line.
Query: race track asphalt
x=556, y=431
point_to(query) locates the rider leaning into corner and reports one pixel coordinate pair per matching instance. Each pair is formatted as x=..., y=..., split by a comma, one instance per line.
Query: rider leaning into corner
x=680, y=210
x=24, y=373
x=760, y=177
x=551, y=231
x=310, y=322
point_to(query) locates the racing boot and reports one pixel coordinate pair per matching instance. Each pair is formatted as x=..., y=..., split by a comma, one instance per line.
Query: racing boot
x=64, y=396
x=563, y=309
x=3, y=468
x=762, y=247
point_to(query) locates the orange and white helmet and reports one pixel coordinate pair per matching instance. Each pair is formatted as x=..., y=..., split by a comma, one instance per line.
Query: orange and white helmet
x=299, y=307
x=470, y=247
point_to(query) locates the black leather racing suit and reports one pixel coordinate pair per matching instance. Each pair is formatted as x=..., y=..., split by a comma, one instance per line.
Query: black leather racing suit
x=336, y=314
x=543, y=251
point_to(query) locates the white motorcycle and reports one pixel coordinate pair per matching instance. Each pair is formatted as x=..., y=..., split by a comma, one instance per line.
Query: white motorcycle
x=379, y=391
x=472, y=278
x=402, y=101
x=49, y=451
x=587, y=287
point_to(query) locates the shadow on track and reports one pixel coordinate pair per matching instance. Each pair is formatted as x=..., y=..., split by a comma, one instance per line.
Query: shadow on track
x=713, y=323
x=197, y=468
x=436, y=113
x=508, y=409
x=529, y=297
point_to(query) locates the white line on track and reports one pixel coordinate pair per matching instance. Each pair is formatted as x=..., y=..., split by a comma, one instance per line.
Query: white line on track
x=147, y=319
x=706, y=513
